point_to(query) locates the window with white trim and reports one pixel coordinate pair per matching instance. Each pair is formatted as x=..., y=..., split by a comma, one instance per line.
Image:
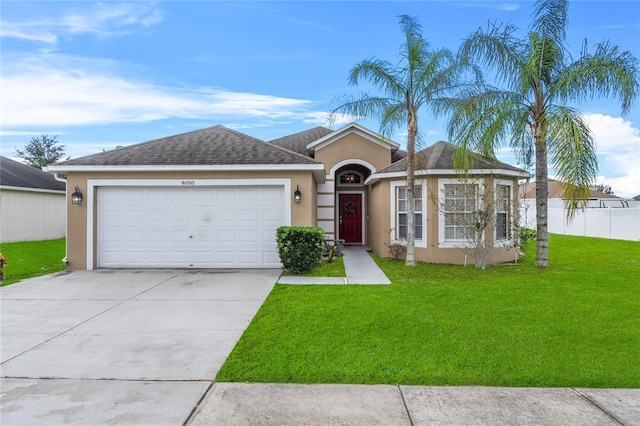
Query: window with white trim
x=503, y=211
x=350, y=178
x=460, y=204
x=401, y=212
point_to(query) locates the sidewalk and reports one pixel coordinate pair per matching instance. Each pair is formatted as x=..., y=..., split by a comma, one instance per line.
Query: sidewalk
x=358, y=265
x=294, y=404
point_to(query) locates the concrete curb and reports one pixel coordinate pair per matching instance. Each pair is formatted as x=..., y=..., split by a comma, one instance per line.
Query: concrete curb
x=327, y=404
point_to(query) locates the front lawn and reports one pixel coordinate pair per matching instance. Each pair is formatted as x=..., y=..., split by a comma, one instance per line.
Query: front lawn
x=32, y=258
x=325, y=269
x=576, y=324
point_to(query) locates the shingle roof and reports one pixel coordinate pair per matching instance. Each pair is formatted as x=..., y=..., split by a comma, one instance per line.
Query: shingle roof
x=13, y=173
x=298, y=141
x=215, y=145
x=556, y=191
x=439, y=156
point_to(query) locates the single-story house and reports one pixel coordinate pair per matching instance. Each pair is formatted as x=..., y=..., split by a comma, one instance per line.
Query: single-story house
x=597, y=199
x=213, y=198
x=32, y=203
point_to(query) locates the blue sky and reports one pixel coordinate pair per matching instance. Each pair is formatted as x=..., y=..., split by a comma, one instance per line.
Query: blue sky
x=101, y=75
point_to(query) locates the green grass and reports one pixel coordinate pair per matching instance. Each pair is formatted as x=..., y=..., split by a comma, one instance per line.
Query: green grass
x=32, y=258
x=333, y=269
x=576, y=324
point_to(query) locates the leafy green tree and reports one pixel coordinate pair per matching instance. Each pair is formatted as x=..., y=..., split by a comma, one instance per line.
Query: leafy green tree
x=540, y=79
x=422, y=80
x=41, y=151
x=603, y=188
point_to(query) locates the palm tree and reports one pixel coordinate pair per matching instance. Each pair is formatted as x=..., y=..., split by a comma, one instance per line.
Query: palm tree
x=541, y=78
x=421, y=80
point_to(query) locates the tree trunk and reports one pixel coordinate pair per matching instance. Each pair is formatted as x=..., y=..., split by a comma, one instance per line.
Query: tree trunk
x=542, y=193
x=411, y=208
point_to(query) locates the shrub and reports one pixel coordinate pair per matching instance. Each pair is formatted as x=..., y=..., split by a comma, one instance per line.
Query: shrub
x=527, y=235
x=300, y=247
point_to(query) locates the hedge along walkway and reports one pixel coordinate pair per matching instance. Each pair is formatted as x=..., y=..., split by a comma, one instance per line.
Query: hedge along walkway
x=359, y=267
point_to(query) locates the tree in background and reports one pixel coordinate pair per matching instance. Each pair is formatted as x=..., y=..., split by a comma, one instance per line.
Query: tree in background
x=603, y=188
x=422, y=80
x=42, y=151
x=531, y=112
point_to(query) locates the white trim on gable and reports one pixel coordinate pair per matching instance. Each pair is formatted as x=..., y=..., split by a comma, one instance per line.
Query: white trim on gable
x=347, y=162
x=357, y=129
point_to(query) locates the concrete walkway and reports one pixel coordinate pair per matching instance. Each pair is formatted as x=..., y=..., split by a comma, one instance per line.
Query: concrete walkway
x=358, y=265
x=294, y=404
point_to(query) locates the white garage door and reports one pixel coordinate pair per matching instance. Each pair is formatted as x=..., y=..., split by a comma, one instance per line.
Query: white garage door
x=204, y=227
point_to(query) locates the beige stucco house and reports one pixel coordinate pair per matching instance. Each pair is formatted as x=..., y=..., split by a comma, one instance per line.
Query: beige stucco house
x=213, y=198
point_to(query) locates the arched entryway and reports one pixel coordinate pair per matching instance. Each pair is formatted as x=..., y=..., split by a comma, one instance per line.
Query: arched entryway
x=351, y=203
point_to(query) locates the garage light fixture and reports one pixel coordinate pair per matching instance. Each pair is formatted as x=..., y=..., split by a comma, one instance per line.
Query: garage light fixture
x=297, y=196
x=76, y=197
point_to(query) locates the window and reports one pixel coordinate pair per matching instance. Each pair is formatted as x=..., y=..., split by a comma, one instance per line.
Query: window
x=503, y=212
x=460, y=204
x=401, y=209
x=350, y=178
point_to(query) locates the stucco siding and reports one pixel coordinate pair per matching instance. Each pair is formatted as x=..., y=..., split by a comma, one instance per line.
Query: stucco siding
x=379, y=205
x=378, y=223
x=31, y=215
x=353, y=146
x=302, y=214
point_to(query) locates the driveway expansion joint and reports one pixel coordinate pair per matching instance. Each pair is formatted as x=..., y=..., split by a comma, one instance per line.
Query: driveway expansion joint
x=404, y=402
x=598, y=406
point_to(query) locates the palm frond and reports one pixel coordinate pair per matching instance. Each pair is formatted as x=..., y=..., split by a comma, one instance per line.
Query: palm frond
x=379, y=73
x=498, y=49
x=550, y=20
x=364, y=106
x=572, y=152
x=608, y=72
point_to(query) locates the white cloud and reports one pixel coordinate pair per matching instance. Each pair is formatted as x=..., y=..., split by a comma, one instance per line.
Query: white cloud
x=618, y=145
x=55, y=90
x=103, y=20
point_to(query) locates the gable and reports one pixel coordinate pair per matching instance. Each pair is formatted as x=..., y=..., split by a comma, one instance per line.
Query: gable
x=354, y=142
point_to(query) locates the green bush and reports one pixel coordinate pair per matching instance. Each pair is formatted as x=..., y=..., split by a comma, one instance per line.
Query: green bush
x=300, y=247
x=527, y=235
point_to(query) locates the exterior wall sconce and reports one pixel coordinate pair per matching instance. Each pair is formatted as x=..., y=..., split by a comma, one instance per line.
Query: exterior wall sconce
x=76, y=197
x=297, y=196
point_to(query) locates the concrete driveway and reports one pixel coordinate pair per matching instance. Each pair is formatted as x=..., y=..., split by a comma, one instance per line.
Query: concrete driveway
x=120, y=346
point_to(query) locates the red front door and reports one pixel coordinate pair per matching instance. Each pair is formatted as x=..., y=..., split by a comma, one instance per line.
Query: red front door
x=350, y=217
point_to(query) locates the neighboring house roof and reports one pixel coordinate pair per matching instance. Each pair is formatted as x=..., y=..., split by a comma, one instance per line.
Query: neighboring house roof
x=18, y=175
x=439, y=158
x=556, y=191
x=298, y=141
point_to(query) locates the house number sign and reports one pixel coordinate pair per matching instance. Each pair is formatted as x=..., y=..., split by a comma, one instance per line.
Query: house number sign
x=188, y=182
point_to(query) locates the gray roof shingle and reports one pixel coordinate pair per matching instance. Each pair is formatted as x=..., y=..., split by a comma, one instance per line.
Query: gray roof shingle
x=13, y=173
x=215, y=145
x=298, y=141
x=439, y=156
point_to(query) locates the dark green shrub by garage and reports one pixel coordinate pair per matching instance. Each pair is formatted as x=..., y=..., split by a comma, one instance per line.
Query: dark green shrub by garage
x=300, y=247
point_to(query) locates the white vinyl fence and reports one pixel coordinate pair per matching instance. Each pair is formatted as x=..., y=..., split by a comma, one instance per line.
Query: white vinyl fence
x=621, y=223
